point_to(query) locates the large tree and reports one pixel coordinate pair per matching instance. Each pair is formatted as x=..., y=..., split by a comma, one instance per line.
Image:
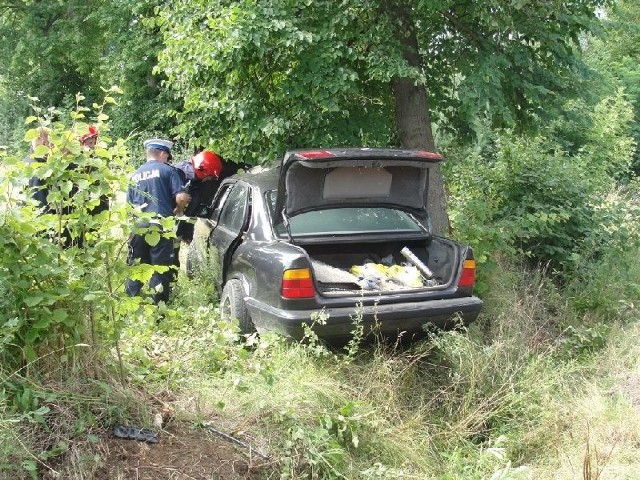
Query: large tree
x=260, y=77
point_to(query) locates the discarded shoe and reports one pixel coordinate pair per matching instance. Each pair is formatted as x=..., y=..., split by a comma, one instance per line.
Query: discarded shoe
x=133, y=433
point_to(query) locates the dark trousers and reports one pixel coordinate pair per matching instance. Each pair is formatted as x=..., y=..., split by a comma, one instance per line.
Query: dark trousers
x=161, y=254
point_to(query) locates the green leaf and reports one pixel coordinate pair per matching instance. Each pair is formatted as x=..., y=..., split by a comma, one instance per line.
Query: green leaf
x=31, y=134
x=30, y=353
x=60, y=315
x=152, y=238
x=42, y=323
x=58, y=449
x=31, y=467
x=33, y=300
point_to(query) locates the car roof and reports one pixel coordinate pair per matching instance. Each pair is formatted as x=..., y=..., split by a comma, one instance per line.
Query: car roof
x=264, y=178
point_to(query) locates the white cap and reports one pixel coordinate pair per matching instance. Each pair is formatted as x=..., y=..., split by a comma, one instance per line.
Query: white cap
x=158, y=144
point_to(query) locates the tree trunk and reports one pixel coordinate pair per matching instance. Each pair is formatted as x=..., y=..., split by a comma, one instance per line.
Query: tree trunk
x=413, y=124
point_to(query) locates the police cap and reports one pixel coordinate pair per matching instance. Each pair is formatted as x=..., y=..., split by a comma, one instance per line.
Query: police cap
x=158, y=144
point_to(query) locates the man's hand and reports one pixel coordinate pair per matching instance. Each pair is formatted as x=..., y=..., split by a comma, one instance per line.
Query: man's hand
x=182, y=200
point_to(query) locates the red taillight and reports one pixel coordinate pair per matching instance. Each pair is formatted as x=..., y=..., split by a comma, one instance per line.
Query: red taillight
x=431, y=155
x=297, y=283
x=468, y=277
x=316, y=154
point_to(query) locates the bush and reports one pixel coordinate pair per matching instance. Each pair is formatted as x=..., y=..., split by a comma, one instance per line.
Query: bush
x=525, y=196
x=65, y=264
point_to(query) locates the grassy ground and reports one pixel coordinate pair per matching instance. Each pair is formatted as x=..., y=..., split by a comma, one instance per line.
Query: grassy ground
x=536, y=389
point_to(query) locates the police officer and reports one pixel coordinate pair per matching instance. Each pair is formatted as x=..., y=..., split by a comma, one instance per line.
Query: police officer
x=38, y=186
x=155, y=187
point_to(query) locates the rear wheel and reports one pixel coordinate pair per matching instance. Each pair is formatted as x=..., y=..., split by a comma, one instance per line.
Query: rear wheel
x=233, y=308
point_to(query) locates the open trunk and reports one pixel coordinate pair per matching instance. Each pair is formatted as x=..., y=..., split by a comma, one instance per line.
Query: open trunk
x=371, y=268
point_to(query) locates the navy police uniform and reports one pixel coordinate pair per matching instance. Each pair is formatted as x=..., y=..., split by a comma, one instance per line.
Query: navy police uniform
x=153, y=188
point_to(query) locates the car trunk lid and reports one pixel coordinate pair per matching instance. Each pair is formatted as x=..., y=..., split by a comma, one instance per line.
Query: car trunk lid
x=355, y=177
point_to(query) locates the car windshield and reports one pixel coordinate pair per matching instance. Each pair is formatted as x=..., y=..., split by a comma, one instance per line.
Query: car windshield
x=350, y=221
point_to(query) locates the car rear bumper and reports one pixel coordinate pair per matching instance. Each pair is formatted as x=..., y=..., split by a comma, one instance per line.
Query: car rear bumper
x=391, y=319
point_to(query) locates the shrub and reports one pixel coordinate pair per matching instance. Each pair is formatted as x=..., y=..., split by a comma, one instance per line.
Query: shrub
x=65, y=266
x=525, y=196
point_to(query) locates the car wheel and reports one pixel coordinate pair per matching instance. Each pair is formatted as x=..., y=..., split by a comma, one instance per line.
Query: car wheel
x=191, y=261
x=195, y=261
x=232, y=307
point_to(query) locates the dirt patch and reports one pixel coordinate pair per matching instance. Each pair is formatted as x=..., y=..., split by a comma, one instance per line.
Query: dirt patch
x=182, y=452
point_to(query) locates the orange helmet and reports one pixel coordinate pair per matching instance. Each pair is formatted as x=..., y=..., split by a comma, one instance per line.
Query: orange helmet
x=207, y=164
x=93, y=132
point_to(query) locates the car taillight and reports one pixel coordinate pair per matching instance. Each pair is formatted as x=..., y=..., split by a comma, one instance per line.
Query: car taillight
x=297, y=283
x=316, y=154
x=468, y=277
x=431, y=155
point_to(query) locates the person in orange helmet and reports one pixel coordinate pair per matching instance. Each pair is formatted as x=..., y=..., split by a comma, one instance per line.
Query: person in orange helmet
x=88, y=142
x=89, y=139
x=201, y=174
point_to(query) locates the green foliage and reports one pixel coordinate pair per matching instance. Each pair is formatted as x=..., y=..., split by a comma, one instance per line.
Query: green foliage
x=518, y=194
x=52, y=50
x=55, y=50
x=320, y=450
x=273, y=75
x=257, y=78
x=616, y=60
x=546, y=201
x=584, y=340
x=12, y=113
x=64, y=265
x=132, y=42
x=601, y=288
x=524, y=197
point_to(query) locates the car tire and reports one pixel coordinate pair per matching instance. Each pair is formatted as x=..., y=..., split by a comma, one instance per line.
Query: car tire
x=195, y=259
x=191, y=262
x=232, y=306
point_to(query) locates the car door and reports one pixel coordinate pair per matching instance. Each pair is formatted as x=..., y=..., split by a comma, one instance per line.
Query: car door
x=229, y=217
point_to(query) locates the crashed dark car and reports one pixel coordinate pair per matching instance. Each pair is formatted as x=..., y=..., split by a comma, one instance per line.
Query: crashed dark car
x=334, y=238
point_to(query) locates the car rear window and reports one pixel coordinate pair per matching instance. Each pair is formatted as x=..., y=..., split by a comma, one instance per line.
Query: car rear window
x=347, y=221
x=350, y=221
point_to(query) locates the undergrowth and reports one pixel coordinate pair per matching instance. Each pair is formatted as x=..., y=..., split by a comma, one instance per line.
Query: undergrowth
x=545, y=384
x=503, y=398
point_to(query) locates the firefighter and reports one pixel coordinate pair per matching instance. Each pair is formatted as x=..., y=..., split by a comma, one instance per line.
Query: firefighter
x=156, y=187
x=202, y=176
x=89, y=139
x=88, y=142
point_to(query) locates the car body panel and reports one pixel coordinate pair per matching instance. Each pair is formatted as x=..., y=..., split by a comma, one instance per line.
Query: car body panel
x=341, y=322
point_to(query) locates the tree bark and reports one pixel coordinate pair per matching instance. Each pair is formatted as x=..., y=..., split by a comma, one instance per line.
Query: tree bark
x=413, y=123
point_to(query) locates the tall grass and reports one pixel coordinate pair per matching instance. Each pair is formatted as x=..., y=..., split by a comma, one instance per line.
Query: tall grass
x=528, y=391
